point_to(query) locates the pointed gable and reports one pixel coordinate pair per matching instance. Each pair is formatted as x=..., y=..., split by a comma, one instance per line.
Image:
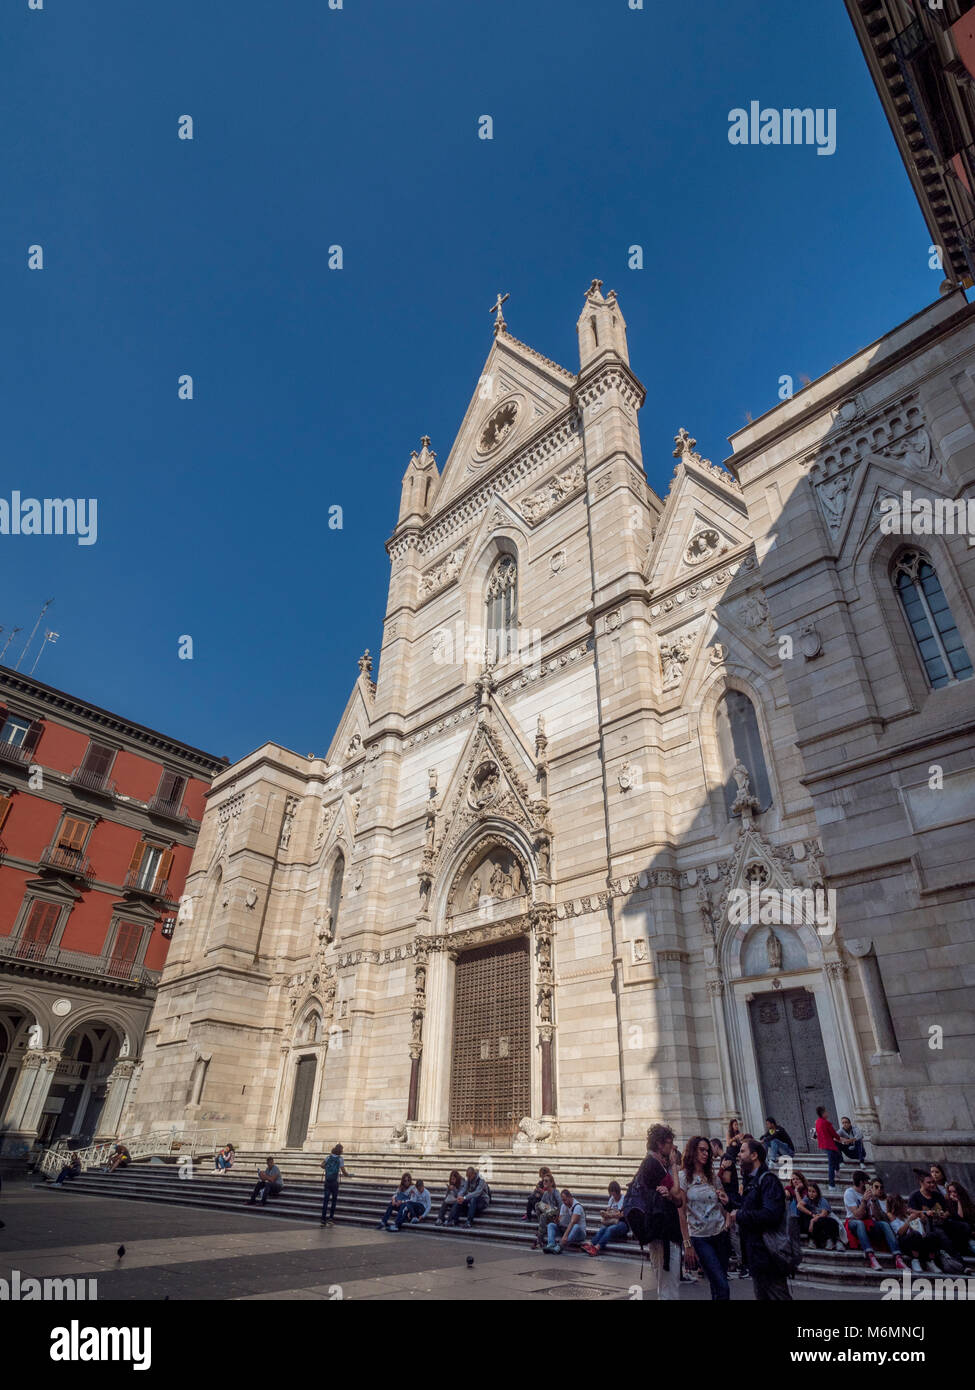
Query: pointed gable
x=518, y=393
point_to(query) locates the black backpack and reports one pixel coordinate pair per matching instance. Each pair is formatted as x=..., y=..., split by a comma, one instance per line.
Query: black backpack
x=649, y=1216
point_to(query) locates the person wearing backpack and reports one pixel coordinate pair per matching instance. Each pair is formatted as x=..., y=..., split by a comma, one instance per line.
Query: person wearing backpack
x=762, y=1210
x=334, y=1165
x=652, y=1210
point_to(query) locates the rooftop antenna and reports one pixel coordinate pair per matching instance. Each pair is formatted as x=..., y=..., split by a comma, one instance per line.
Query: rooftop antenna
x=31, y=637
x=48, y=637
x=13, y=634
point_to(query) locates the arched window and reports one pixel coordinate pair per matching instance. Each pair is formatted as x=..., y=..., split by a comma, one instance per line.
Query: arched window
x=739, y=740
x=335, y=891
x=502, y=609
x=929, y=617
x=311, y=1029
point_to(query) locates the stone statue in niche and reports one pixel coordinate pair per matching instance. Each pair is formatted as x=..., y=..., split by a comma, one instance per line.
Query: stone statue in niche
x=773, y=950
x=474, y=892
x=517, y=883
x=500, y=883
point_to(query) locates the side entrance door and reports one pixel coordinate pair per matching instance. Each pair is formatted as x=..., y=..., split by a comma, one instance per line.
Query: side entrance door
x=301, y=1098
x=792, y=1070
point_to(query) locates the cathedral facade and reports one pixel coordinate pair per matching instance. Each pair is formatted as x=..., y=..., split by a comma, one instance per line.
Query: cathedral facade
x=639, y=819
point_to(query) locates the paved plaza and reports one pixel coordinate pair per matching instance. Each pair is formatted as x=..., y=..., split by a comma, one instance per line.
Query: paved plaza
x=182, y=1253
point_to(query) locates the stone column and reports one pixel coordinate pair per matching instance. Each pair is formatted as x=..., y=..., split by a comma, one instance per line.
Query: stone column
x=542, y=917
x=431, y=1128
x=30, y=1091
x=119, y=1082
x=731, y=1109
x=416, y=1052
x=862, y=1101
x=884, y=1037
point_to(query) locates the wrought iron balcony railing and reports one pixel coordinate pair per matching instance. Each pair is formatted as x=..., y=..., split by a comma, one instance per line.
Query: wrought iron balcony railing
x=42, y=957
x=67, y=861
x=134, y=883
x=172, y=810
x=13, y=753
x=93, y=781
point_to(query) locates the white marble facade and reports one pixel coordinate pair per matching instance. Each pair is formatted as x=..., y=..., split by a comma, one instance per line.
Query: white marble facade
x=572, y=784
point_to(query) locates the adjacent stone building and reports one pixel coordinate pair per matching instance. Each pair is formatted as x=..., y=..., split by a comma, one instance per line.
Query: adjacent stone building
x=506, y=907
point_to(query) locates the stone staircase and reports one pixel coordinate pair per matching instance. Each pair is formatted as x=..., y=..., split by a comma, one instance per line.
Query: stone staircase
x=363, y=1196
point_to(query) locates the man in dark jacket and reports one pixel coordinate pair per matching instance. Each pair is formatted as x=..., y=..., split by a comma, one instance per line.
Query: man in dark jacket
x=762, y=1209
x=777, y=1141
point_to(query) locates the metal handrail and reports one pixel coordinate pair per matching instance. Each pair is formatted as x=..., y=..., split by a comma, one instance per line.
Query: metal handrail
x=80, y=962
x=71, y=861
x=161, y=1141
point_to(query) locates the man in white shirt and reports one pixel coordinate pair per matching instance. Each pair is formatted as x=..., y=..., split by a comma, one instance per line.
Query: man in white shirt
x=571, y=1223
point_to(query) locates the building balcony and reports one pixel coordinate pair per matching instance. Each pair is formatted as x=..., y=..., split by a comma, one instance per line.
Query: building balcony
x=14, y=755
x=134, y=883
x=169, y=810
x=67, y=862
x=35, y=958
x=93, y=782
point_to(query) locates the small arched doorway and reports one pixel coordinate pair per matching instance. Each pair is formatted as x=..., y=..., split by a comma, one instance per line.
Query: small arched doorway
x=306, y=1068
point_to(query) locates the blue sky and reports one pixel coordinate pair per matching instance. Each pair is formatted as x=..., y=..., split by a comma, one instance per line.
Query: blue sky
x=311, y=387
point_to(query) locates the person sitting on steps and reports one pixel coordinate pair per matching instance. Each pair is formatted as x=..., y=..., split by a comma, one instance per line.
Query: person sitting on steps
x=613, y=1227
x=269, y=1183
x=570, y=1229
x=473, y=1197
x=403, y=1194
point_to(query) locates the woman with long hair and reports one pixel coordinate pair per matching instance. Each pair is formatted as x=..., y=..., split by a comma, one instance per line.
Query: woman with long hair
x=534, y=1195
x=703, y=1217
x=450, y=1197
x=960, y=1226
x=816, y=1220
x=914, y=1240
x=404, y=1193
x=546, y=1209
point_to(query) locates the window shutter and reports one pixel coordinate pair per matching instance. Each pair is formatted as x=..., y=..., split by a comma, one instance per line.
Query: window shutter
x=5, y=803
x=127, y=942
x=136, y=859
x=165, y=866
x=32, y=736
x=98, y=759
x=41, y=921
x=171, y=787
x=73, y=833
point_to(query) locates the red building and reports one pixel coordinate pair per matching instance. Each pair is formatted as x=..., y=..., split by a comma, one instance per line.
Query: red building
x=98, y=820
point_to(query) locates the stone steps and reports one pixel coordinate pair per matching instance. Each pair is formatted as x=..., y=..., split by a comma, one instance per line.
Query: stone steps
x=361, y=1204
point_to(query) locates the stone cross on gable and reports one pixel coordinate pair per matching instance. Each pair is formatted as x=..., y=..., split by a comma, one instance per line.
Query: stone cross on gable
x=495, y=309
x=365, y=663
x=685, y=444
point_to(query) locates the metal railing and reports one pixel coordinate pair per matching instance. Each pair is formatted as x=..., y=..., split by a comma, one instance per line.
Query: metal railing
x=155, y=1144
x=133, y=884
x=13, y=753
x=93, y=781
x=172, y=810
x=77, y=962
x=70, y=861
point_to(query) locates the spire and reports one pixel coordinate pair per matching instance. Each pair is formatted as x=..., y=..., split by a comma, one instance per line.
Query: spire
x=601, y=327
x=419, y=482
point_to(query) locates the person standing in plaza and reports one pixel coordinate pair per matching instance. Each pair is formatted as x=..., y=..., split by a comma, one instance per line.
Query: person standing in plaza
x=703, y=1218
x=762, y=1209
x=656, y=1190
x=334, y=1167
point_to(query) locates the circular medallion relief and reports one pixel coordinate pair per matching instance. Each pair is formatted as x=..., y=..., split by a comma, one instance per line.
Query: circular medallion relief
x=498, y=427
x=61, y=1007
x=484, y=786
